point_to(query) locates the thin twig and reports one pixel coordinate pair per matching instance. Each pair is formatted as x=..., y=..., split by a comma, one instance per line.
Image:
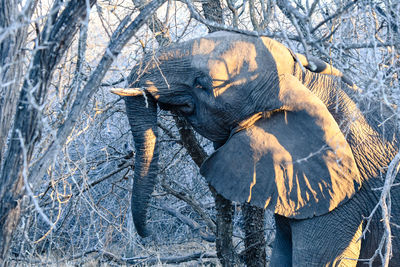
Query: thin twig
x=192, y=203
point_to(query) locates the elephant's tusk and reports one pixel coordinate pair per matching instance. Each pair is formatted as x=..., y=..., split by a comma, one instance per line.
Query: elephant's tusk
x=127, y=91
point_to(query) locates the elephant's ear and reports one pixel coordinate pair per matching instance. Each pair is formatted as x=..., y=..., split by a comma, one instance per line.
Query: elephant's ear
x=294, y=161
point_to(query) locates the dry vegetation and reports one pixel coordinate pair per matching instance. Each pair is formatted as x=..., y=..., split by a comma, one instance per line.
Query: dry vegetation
x=65, y=146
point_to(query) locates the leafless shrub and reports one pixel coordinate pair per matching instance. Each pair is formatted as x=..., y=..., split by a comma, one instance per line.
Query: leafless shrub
x=77, y=160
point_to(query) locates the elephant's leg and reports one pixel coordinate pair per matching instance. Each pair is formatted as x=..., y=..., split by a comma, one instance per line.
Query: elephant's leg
x=376, y=231
x=282, y=247
x=254, y=236
x=329, y=240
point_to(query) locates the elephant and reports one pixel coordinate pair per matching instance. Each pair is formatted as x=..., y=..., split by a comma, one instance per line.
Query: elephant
x=292, y=135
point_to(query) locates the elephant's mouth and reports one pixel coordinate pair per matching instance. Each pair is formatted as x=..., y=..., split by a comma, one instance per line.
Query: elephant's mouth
x=186, y=108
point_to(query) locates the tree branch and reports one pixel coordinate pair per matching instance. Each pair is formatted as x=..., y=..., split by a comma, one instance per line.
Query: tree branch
x=189, y=222
x=120, y=38
x=192, y=203
x=213, y=24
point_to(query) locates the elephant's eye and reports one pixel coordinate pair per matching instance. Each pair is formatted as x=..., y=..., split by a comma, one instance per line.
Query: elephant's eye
x=200, y=82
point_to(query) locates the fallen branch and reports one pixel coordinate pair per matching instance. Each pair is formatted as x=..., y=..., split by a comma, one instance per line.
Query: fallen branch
x=172, y=259
x=192, y=203
x=151, y=260
x=189, y=222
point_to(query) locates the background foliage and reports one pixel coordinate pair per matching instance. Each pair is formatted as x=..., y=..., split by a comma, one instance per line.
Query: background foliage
x=65, y=146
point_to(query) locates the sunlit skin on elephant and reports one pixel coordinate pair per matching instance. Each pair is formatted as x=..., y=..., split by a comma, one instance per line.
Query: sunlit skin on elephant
x=298, y=142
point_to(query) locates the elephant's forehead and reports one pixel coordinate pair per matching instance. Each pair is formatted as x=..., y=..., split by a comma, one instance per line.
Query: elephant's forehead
x=217, y=43
x=223, y=60
x=204, y=46
x=233, y=61
x=233, y=49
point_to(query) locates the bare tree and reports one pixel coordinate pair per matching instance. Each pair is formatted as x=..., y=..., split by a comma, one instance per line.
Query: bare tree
x=52, y=43
x=55, y=39
x=65, y=148
x=13, y=38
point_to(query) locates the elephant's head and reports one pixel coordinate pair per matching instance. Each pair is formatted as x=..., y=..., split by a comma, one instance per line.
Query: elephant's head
x=229, y=87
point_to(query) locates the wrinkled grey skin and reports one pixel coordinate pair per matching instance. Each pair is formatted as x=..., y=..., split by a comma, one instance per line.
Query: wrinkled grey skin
x=146, y=157
x=221, y=81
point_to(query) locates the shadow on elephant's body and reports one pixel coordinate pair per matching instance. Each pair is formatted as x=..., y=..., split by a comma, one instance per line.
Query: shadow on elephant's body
x=294, y=141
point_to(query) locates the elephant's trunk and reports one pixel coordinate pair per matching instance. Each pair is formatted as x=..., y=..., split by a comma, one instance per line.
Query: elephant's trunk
x=142, y=114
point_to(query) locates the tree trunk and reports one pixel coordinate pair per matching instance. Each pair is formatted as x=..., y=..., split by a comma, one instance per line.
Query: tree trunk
x=255, y=255
x=58, y=33
x=11, y=57
x=213, y=11
x=225, y=250
x=10, y=76
x=254, y=217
